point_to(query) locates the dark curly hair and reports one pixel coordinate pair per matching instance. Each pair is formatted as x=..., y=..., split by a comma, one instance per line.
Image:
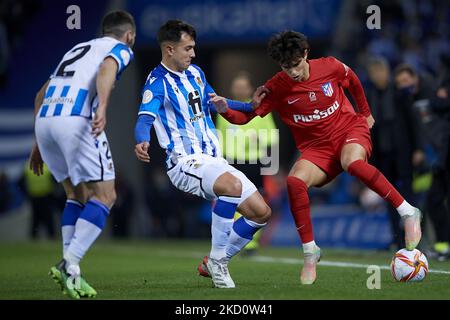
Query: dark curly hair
x=287, y=47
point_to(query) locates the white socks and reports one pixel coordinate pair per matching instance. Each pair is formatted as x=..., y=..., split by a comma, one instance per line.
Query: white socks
x=220, y=232
x=405, y=209
x=309, y=247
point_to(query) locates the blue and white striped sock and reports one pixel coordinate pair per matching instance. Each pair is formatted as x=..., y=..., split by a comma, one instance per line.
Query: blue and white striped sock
x=241, y=234
x=88, y=227
x=70, y=215
x=222, y=221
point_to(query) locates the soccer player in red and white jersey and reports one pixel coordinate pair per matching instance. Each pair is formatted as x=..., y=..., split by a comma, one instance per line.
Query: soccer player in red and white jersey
x=308, y=94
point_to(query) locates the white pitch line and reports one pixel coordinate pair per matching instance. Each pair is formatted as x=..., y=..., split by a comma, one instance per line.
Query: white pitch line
x=328, y=263
x=266, y=259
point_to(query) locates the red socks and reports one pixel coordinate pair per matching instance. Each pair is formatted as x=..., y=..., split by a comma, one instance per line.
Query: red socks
x=299, y=202
x=368, y=174
x=376, y=181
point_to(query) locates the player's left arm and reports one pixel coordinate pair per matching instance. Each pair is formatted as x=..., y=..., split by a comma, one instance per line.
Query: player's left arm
x=35, y=161
x=350, y=80
x=40, y=97
x=222, y=104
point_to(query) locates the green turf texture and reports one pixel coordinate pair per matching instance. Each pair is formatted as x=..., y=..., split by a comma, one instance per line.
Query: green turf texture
x=167, y=270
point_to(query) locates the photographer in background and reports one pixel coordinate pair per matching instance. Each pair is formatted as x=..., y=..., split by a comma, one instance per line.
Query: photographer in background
x=432, y=108
x=397, y=145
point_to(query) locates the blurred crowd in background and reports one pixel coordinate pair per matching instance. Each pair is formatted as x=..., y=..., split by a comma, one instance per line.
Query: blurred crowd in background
x=405, y=70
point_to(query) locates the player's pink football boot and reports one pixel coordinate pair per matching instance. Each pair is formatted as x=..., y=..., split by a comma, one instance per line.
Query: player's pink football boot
x=203, y=269
x=413, y=232
x=310, y=260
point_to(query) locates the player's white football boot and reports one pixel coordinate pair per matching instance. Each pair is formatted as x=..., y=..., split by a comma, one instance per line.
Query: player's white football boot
x=310, y=260
x=218, y=270
x=413, y=232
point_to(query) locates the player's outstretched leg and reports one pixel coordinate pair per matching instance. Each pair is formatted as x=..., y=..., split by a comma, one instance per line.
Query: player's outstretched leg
x=376, y=181
x=299, y=202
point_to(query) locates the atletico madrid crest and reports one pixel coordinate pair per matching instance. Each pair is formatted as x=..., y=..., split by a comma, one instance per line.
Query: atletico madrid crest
x=327, y=89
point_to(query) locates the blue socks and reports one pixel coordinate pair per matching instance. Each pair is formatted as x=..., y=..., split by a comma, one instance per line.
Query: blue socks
x=241, y=234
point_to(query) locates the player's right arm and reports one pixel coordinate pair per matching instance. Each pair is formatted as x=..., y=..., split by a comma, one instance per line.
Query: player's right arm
x=265, y=97
x=117, y=60
x=35, y=161
x=152, y=101
x=105, y=82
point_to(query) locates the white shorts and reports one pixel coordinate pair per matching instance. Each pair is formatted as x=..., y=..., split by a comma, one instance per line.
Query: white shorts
x=70, y=150
x=197, y=174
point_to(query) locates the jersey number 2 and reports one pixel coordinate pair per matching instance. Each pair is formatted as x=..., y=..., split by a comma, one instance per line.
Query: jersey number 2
x=63, y=73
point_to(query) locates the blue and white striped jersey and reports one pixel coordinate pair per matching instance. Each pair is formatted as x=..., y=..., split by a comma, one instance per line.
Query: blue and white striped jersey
x=72, y=89
x=180, y=104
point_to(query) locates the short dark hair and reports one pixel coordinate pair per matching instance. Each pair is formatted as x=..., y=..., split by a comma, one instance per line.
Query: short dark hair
x=172, y=30
x=117, y=23
x=287, y=46
x=404, y=67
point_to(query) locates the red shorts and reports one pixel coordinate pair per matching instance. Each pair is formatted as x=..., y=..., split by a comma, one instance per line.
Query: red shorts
x=327, y=153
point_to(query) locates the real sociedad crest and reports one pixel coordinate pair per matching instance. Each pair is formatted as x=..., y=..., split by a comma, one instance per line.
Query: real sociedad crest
x=327, y=89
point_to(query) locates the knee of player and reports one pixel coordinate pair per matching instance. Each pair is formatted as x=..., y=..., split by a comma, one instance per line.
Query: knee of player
x=81, y=196
x=294, y=182
x=346, y=161
x=262, y=214
x=234, y=188
x=70, y=194
x=266, y=213
x=112, y=197
x=107, y=197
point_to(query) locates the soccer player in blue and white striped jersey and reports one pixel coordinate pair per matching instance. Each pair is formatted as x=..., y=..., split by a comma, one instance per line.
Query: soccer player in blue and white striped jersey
x=175, y=100
x=70, y=112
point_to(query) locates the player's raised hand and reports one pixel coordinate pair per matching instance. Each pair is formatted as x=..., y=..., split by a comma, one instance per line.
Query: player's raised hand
x=141, y=150
x=219, y=102
x=259, y=95
x=370, y=121
x=36, y=162
x=99, y=122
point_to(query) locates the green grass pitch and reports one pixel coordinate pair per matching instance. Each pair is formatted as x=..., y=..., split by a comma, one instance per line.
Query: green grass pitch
x=166, y=270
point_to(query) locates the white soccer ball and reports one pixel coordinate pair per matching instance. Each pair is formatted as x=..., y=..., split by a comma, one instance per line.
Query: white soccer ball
x=409, y=265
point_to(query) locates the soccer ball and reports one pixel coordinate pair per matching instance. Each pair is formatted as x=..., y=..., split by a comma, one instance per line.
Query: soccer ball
x=409, y=265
